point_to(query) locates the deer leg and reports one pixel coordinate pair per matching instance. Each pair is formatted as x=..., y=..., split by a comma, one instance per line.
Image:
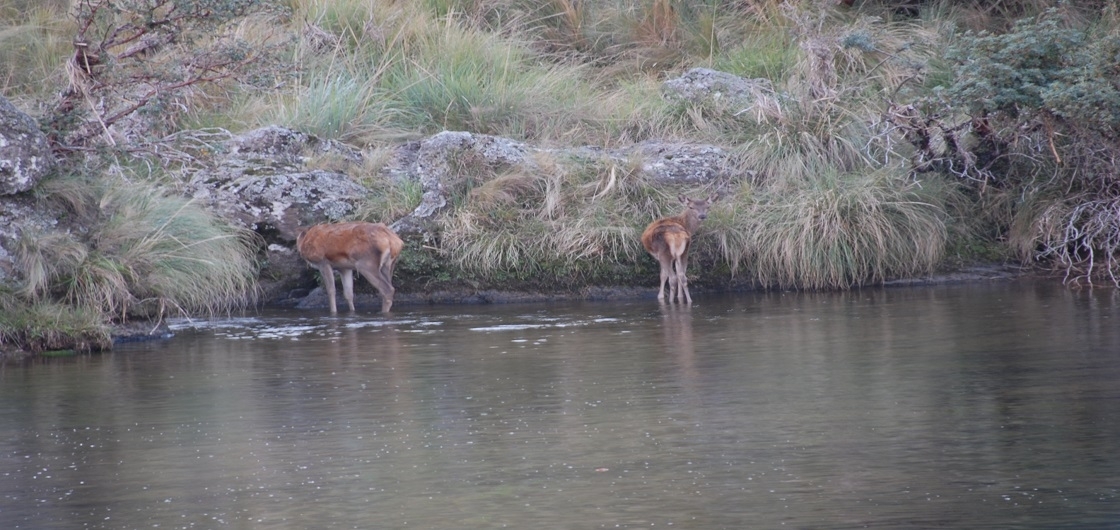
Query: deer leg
x=327, y=273
x=682, y=277
x=674, y=284
x=384, y=287
x=348, y=287
x=671, y=276
x=666, y=277
x=386, y=270
x=387, y=265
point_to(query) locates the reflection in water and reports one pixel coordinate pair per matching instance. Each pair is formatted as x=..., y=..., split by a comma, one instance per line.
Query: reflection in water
x=676, y=329
x=969, y=406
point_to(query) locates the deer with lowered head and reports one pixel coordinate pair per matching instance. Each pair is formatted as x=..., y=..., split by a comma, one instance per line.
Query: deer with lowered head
x=668, y=239
x=369, y=248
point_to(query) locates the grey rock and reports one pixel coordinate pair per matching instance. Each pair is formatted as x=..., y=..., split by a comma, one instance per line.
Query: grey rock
x=25, y=153
x=666, y=163
x=678, y=163
x=280, y=203
x=704, y=85
x=278, y=144
x=261, y=182
x=439, y=157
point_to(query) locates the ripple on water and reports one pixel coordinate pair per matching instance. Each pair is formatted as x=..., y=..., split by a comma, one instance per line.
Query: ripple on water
x=291, y=329
x=545, y=325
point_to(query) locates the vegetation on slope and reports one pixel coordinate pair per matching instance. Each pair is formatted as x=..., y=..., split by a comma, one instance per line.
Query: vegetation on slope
x=884, y=138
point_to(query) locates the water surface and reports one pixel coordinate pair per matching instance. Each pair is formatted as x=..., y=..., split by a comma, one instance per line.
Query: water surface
x=973, y=406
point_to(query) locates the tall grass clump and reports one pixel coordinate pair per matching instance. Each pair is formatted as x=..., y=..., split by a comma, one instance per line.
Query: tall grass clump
x=623, y=37
x=339, y=56
x=764, y=53
x=143, y=254
x=330, y=104
x=34, y=42
x=455, y=80
x=832, y=204
x=841, y=230
x=376, y=72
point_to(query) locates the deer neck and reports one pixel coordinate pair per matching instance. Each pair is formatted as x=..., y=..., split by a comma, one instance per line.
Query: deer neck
x=689, y=220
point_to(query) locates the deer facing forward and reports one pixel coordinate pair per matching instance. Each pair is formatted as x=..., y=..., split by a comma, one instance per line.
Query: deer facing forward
x=369, y=248
x=668, y=239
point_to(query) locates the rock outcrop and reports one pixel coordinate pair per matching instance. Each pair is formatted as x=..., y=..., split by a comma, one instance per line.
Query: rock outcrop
x=25, y=155
x=278, y=204
x=707, y=86
x=25, y=158
x=437, y=159
x=680, y=164
x=262, y=181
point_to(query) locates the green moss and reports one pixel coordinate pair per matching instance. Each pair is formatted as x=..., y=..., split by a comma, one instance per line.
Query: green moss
x=45, y=326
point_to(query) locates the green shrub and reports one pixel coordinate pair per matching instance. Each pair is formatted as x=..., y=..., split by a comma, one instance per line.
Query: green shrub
x=1034, y=114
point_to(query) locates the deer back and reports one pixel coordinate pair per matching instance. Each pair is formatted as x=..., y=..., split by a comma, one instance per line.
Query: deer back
x=683, y=224
x=346, y=244
x=664, y=234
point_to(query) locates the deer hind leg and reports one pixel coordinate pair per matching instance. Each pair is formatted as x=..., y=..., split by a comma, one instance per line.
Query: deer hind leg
x=678, y=251
x=666, y=277
x=387, y=264
x=676, y=296
x=682, y=279
x=348, y=287
x=674, y=282
x=375, y=276
x=327, y=272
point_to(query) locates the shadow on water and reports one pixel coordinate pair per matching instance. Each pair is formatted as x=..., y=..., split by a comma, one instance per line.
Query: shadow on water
x=977, y=406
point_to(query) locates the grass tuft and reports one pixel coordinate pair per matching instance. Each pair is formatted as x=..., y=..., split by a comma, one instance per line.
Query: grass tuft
x=843, y=230
x=34, y=43
x=143, y=254
x=40, y=326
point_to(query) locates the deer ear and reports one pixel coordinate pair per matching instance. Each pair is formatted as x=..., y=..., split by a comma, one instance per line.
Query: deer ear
x=682, y=198
x=713, y=197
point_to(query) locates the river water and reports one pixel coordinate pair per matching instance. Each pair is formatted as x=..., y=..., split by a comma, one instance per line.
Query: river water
x=968, y=406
